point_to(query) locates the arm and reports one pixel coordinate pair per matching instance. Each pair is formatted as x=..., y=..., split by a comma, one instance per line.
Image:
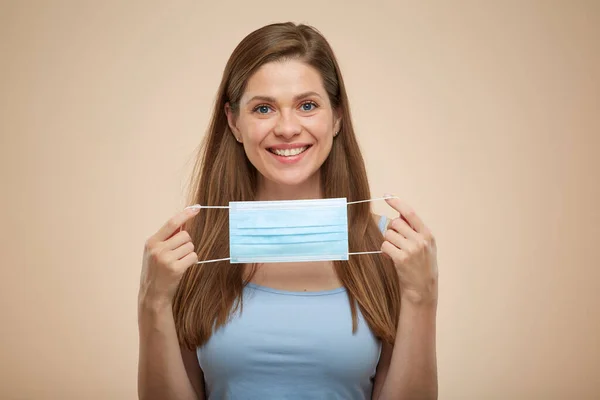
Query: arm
x=408, y=370
x=165, y=371
x=194, y=372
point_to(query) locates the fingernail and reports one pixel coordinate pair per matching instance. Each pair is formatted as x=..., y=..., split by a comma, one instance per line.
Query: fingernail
x=194, y=208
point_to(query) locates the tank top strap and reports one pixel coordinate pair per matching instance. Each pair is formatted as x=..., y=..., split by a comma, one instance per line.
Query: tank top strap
x=382, y=223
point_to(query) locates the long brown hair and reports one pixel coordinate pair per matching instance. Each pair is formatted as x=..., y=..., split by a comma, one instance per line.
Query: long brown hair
x=208, y=294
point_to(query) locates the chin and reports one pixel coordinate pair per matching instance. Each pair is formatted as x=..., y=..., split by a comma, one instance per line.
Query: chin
x=289, y=178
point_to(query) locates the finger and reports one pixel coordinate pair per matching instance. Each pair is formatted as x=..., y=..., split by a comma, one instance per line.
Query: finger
x=398, y=240
x=175, y=223
x=186, y=262
x=181, y=251
x=407, y=212
x=176, y=232
x=392, y=251
x=402, y=227
x=177, y=240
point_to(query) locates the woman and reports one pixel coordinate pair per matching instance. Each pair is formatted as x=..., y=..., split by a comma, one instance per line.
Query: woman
x=356, y=329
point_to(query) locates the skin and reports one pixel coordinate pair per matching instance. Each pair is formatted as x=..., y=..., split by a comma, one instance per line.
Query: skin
x=409, y=369
x=285, y=103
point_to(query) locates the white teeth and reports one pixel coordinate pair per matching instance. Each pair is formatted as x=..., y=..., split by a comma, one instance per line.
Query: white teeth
x=289, y=152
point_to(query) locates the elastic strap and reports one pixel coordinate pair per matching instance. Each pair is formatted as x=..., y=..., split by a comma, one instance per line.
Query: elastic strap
x=377, y=198
x=350, y=254
x=198, y=206
x=211, y=261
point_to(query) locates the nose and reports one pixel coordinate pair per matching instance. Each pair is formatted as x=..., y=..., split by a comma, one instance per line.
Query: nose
x=287, y=125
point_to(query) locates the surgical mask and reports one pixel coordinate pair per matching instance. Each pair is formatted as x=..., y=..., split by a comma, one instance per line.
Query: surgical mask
x=288, y=231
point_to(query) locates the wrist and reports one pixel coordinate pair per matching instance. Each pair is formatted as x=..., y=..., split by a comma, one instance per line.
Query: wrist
x=154, y=316
x=418, y=308
x=418, y=302
x=420, y=298
x=154, y=305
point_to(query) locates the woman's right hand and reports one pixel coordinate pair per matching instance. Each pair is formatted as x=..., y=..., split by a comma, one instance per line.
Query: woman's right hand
x=167, y=255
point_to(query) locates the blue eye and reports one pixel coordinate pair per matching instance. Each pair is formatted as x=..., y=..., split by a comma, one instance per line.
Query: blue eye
x=308, y=106
x=262, y=109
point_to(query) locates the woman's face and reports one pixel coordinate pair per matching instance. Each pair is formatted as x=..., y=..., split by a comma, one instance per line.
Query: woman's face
x=285, y=122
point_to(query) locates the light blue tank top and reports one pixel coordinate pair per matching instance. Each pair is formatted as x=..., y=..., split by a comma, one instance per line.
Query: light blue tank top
x=291, y=345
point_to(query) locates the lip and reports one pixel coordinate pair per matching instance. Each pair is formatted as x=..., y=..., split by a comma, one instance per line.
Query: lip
x=289, y=159
x=286, y=146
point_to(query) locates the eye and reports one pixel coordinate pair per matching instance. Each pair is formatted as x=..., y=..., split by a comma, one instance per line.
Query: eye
x=309, y=106
x=261, y=109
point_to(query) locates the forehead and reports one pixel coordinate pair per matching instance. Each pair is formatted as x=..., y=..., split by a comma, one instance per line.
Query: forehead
x=283, y=80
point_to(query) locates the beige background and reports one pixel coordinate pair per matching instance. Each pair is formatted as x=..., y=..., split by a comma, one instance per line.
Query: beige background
x=483, y=115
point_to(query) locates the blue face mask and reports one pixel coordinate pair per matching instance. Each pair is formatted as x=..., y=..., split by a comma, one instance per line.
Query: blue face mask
x=288, y=231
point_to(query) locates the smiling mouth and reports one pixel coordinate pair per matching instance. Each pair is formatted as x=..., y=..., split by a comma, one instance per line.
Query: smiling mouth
x=289, y=152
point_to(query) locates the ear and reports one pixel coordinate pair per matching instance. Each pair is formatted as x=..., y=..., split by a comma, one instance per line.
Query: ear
x=337, y=121
x=232, y=121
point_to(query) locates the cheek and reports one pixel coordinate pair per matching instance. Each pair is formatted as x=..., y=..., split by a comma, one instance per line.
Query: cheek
x=256, y=130
x=319, y=126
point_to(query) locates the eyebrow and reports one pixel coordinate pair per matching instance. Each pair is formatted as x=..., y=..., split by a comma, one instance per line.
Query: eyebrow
x=272, y=99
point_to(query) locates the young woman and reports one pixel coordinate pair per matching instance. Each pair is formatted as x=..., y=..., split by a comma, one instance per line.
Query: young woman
x=359, y=329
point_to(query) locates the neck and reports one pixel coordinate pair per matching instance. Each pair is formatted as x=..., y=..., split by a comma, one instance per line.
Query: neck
x=309, y=189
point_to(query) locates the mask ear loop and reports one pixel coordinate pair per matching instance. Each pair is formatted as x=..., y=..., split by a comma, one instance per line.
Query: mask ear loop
x=197, y=207
x=377, y=198
x=365, y=201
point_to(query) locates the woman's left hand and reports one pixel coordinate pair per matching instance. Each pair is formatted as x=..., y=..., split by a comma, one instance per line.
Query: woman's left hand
x=411, y=245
